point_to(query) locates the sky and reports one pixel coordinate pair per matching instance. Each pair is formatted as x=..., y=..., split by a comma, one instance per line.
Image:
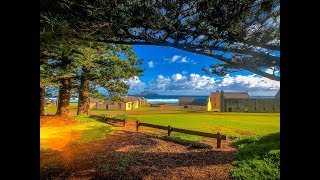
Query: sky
x=170, y=71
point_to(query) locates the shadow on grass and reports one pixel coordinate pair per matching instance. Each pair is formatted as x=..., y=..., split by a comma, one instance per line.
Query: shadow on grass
x=116, y=121
x=94, y=133
x=191, y=144
x=99, y=118
x=257, y=157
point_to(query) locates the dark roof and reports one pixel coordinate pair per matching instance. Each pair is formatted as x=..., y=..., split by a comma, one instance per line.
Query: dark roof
x=277, y=96
x=199, y=102
x=130, y=99
x=186, y=99
x=236, y=95
x=141, y=99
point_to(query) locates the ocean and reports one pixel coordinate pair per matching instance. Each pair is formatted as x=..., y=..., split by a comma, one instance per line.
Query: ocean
x=174, y=99
x=160, y=99
x=167, y=99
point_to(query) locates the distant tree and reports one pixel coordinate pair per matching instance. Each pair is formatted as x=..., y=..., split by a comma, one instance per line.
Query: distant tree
x=244, y=34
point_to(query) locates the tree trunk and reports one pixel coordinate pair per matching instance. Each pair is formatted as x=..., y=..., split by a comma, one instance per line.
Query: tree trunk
x=84, y=93
x=64, y=97
x=42, y=100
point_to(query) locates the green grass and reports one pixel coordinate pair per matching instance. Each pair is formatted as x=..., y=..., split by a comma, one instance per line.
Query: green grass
x=231, y=124
x=255, y=135
x=87, y=130
x=257, y=157
x=53, y=109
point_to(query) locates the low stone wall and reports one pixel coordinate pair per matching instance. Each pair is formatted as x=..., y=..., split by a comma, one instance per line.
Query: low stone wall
x=251, y=105
x=200, y=108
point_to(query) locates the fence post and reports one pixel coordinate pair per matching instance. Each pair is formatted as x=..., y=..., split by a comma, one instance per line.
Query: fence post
x=137, y=125
x=169, y=130
x=219, y=140
x=124, y=122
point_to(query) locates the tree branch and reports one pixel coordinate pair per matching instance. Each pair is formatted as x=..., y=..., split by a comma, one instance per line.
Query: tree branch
x=193, y=49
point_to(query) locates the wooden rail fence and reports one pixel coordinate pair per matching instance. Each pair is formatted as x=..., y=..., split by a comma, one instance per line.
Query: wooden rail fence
x=124, y=121
x=170, y=129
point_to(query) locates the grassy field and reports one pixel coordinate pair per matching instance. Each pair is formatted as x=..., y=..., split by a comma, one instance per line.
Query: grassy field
x=255, y=135
x=231, y=124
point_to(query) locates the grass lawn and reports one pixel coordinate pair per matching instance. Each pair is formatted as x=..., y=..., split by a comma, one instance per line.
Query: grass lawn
x=231, y=124
x=256, y=135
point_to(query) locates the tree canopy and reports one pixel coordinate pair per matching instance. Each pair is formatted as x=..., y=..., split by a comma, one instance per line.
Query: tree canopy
x=244, y=34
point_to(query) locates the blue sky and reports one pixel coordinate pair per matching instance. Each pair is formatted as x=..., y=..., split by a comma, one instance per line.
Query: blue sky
x=171, y=71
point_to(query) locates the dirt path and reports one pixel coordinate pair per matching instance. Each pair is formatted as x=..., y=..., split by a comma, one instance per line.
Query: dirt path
x=127, y=154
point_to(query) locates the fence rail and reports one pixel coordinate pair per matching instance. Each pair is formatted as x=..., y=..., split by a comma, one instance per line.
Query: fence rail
x=170, y=129
x=124, y=121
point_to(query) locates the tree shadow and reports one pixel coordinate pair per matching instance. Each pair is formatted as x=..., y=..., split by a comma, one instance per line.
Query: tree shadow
x=130, y=155
x=257, y=157
x=98, y=118
x=111, y=121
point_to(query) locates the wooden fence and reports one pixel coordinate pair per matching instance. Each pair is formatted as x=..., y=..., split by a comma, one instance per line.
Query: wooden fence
x=170, y=129
x=124, y=121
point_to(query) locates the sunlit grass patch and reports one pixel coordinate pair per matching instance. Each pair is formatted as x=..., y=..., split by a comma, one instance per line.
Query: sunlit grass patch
x=85, y=130
x=235, y=125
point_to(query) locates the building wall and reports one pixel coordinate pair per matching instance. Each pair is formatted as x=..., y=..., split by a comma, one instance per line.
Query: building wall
x=128, y=105
x=135, y=104
x=215, y=99
x=209, y=106
x=118, y=105
x=251, y=105
x=198, y=108
x=143, y=102
x=101, y=106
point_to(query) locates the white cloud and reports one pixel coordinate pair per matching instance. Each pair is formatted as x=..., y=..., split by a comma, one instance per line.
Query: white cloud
x=270, y=71
x=184, y=72
x=251, y=83
x=174, y=58
x=197, y=84
x=181, y=82
x=150, y=64
x=160, y=83
x=179, y=59
x=184, y=60
x=136, y=85
x=177, y=77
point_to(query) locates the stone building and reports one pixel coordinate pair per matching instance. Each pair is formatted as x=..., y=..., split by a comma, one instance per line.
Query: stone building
x=235, y=102
x=129, y=103
x=200, y=104
x=242, y=102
